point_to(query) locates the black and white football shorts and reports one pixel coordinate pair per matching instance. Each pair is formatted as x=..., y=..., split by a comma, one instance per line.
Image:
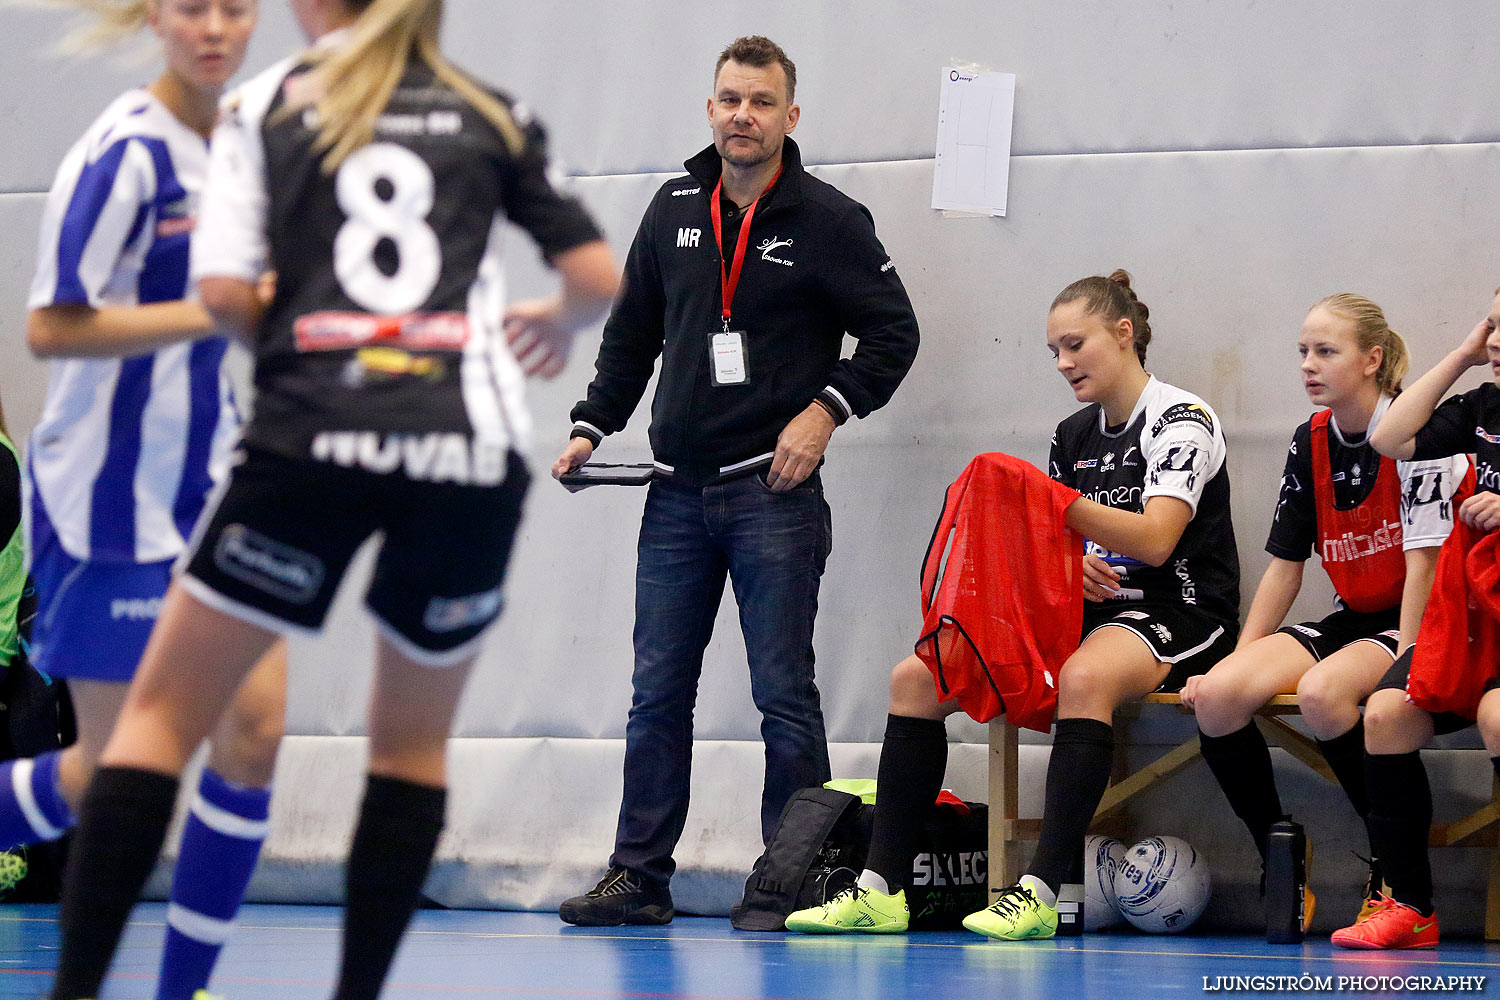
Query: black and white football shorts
x=1189, y=641
x=1346, y=627
x=275, y=547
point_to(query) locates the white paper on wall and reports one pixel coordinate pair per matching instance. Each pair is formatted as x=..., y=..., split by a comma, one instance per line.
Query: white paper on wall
x=975, y=110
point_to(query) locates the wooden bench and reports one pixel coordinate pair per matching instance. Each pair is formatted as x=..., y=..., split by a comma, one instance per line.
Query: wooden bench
x=1008, y=829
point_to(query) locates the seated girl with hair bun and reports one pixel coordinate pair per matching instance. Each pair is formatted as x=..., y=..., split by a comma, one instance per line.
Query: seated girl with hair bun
x=1161, y=578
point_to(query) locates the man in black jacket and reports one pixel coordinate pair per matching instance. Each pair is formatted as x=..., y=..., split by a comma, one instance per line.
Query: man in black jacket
x=744, y=277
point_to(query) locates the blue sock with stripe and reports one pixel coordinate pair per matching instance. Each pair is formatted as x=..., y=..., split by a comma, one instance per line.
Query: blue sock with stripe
x=32, y=807
x=221, y=842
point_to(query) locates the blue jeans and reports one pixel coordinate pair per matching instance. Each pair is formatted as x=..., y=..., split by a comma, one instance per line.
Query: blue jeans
x=772, y=547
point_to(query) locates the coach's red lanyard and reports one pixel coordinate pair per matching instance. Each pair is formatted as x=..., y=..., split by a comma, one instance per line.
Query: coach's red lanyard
x=731, y=280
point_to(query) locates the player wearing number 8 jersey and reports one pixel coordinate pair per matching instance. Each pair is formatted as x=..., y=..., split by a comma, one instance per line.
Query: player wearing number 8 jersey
x=370, y=175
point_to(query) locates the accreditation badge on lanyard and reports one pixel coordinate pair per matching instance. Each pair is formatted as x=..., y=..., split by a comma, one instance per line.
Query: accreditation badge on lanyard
x=729, y=360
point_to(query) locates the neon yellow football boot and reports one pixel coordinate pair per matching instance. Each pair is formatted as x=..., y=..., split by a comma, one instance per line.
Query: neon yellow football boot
x=1017, y=915
x=854, y=911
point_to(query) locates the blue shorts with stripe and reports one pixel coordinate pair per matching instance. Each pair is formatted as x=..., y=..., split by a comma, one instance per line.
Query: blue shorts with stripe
x=93, y=618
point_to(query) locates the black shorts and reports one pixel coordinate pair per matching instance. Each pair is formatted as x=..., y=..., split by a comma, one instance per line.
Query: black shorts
x=274, y=548
x=1443, y=723
x=1344, y=628
x=1190, y=642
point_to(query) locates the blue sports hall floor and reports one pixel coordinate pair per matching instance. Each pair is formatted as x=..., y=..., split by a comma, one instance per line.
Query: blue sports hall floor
x=289, y=953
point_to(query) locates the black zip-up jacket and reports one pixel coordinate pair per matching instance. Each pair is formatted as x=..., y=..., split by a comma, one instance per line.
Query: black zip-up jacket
x=813, y=270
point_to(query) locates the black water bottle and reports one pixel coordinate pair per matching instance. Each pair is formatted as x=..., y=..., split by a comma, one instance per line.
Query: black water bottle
x=1286, y=882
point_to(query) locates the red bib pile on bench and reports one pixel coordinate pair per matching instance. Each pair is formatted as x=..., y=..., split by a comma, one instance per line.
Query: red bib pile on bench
x=1002, y=592
x=1458, y=646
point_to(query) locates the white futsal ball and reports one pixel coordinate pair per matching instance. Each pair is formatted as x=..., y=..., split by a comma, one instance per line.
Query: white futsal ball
x=1102, y=857
x=1162, y=885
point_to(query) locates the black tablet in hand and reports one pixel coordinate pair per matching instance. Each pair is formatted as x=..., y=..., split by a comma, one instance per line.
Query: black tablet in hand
x=605, y=474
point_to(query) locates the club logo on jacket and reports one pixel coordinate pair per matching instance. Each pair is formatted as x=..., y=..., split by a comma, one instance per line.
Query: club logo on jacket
x=773, y=243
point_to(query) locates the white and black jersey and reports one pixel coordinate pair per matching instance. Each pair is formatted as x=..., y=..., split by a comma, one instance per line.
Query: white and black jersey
x=383, y=348
x=1172, y=445
x=1466, y=423
x=1427, y=488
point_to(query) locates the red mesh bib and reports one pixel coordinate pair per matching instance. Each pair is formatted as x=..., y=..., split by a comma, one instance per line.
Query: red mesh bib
x=1360, y=548
x=1458, y=649
x=1002, y=592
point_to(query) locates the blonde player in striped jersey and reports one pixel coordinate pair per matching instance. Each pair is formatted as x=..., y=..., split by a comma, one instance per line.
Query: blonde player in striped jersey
x=133, y=438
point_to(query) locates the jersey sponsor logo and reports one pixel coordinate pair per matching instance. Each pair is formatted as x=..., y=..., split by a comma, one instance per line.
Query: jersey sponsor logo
x=958, y=868
x=1350, y=546
x=1423, y=489
x=688, y=236
x=136, y=609
x=424, y=458
x=1123, y=497
x=337, y=331
x=1190, y=412
x=449, y=614
x=179, y=225
x=1115, y=559
x=1189, y=587
x=773, y=243
x=267, y=565
x=381, y=365
x=887, y=266
x=1485, y=435
x=1180, y=459
x=1487, y=477
x=1132, y=459
x=686, y=191
x=1355, y=475
x=432, y=123
x=1107, y=463
x=1085, y=463
x=177, y=218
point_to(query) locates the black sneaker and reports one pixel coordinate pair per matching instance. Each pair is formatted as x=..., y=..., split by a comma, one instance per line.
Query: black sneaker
x=621, y=897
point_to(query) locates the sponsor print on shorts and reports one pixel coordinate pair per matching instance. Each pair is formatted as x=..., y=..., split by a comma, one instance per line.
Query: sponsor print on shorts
x=135, y=609
x=449, y=614
x=267, y=565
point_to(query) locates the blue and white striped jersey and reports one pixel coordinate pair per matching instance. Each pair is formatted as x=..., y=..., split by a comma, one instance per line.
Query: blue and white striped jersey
x=127, y=449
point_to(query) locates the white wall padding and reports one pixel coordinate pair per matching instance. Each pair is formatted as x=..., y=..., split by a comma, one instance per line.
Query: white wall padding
x=1243, y=158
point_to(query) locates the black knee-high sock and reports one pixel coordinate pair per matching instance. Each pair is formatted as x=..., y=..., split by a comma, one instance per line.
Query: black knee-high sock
x=121, y=826
x=1077, y=774
x=912, y=761
x=1400, y=814
x=397, y=834
x=1241, y=762
x=1346, y=758
x=1495, y=763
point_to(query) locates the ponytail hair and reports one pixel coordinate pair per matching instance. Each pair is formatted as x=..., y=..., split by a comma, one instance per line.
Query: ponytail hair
x=113, y=22
x=351, y=85
x=1372, y=330
x=1113, y=299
